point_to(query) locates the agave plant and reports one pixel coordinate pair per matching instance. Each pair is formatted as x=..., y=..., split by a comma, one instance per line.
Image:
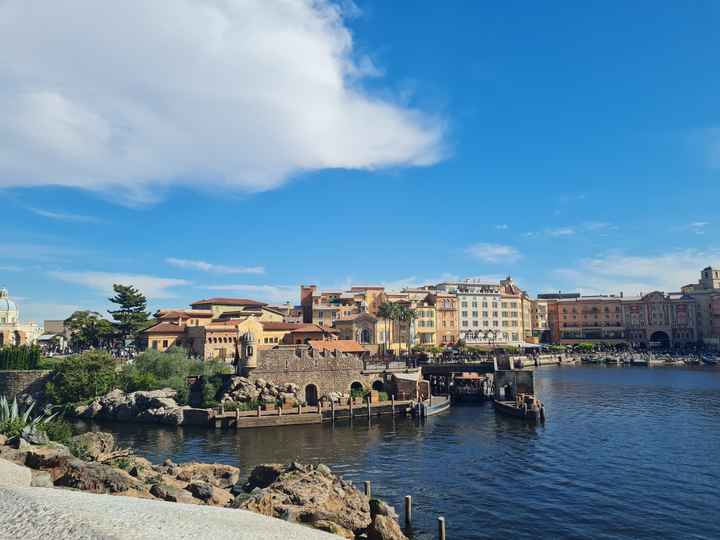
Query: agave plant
x=15, y=422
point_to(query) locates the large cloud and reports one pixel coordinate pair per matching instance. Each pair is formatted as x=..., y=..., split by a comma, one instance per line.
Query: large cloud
x=139, y=94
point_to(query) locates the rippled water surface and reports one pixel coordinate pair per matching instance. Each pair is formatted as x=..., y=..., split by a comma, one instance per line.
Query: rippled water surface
x=626, y=453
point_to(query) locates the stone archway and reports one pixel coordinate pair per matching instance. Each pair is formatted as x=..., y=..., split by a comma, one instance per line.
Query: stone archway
x=378, y=386
x=357, y=388
x=311, y=394
x=660, y=339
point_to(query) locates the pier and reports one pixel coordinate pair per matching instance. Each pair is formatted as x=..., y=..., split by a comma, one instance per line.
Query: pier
x=314, y=414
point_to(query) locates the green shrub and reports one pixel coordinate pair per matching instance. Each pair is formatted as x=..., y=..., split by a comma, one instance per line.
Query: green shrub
x=81, y=377
x=20, y=357
x=59, y=430
x=242, y=405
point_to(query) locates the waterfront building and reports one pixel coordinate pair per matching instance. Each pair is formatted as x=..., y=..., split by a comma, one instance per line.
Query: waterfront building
x=210, y=327
x=659, y=319
x=706, y=293
x=540, y=321
x=446, y=313
x=579, y=319
x=12, y=330
x=489, y=314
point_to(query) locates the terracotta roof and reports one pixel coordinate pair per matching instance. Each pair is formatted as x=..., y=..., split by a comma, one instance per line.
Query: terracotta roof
x=315, y=328
x=165, y=328
x=270, y=325
x=220, y=301
x=173, y=314
x=342, y=345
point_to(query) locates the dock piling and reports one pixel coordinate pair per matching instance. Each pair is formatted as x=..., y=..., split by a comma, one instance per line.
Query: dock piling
x=441, y=528
x=259, y=411
x=368, y=489
x=408, y=510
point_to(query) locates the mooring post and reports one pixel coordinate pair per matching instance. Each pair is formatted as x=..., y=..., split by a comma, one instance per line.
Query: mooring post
x=351, y=409
x=408, y=510
x=237, y=418
x=279, y=409
x=259, y=411
x=299, y=409
x=332, y=406
x=393, y=404
x=441, y=528
x=368, y=489
x=368, y=407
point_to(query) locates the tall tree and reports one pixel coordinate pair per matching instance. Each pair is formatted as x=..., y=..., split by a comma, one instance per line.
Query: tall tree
x=88, y=329
x=131, y=317
x=407, y=315
x=386, y=312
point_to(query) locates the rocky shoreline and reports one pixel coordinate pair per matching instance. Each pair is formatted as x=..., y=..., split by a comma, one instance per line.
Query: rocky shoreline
x=306, y=494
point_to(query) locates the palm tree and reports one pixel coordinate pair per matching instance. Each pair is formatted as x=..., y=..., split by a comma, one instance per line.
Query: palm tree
x=407, y=315
x=386, y=311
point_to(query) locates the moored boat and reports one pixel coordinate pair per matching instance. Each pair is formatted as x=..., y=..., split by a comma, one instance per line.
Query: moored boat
x=525, y=406
x=430, y=407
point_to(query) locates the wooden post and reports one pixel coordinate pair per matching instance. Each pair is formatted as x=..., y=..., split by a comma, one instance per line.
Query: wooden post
x=408, y=510
x=368, y=407
x=441, y=528
x=393, y=404
x=332, y=406
x=279, y=410
x=351, y=409
x=368, y=489
x=259, y=411
x=237, y=418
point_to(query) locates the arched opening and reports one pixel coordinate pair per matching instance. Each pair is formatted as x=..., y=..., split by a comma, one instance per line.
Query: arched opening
x=357, y=389
x=378, y=386
x=17, y=338
x=365, y=336
x=660, y=339
x=311, y=394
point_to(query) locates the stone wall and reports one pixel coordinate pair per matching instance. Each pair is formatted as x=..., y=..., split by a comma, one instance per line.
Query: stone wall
x=22, y=382
x=328, y=371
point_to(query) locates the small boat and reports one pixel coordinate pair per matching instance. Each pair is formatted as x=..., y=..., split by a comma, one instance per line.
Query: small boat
x=431, y=407
x=638, y=361
x=525, y=406
x=711, y=361
x=613, y=361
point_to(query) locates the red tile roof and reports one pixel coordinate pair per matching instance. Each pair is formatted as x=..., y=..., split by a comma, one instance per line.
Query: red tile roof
x=342, y=345
x=277, y=326
x=165, y=328
x=220, y=301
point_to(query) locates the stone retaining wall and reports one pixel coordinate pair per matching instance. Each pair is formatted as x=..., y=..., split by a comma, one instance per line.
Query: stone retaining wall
x=13, y=383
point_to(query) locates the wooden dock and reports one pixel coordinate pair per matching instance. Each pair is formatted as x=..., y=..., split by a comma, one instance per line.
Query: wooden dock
x=309, y=414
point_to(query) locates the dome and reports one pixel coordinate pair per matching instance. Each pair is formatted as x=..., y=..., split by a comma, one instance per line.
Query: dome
x=7, y=306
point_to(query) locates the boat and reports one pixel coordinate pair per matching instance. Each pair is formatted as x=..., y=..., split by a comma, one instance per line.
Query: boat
x=653, y=361
x=525, y=406
x=638, y=361
x=432, y=406
x=711, y=361
x=613, y=361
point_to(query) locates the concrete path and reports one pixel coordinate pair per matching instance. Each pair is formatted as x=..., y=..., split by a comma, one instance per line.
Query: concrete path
x=34, y=513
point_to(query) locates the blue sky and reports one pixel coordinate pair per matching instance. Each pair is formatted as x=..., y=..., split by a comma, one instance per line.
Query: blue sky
x=574, y=146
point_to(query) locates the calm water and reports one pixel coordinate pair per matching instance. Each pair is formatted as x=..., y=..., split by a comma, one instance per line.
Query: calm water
x=626, y=453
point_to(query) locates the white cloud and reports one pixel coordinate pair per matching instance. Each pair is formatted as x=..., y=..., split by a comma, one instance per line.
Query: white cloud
x=60, y=216
x=561, y=231
x=151, y=286
x=129, y=97
x=698, y=227
x=502, y=227
x=214, y=268
x=613, y=273
x=275, y=294
x=493, y=253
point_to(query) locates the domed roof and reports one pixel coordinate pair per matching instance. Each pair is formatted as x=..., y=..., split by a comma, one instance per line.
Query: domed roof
x=6, y=305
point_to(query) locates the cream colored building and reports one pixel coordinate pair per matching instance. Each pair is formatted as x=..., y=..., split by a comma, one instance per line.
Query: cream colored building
x=706, y=293
x=12, y=330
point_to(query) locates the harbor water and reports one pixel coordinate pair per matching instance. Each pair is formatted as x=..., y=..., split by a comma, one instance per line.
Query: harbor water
x=627, y=452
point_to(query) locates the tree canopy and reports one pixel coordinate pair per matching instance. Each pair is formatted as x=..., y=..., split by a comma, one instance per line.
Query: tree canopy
x=88, y=329
x=131, y=316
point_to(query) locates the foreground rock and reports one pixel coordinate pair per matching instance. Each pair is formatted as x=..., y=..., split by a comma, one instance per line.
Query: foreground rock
x=313, y=495
x=305, y=494
x=155, y=406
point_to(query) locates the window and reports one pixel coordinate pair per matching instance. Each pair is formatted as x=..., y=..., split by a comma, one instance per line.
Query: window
x=464, y=304
x=515, y=337
x=465, y=324
x=495, y=314
x=484, y=304
x=474, y=304
x=474, y=313
x=485, y=313
x=464, y=313
x=475, y=324
x=505, y=314
x=494, y=304
x=486, y=323
x=495, y=324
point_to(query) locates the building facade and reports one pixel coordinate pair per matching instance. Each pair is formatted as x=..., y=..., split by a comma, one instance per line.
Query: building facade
x=12, y=330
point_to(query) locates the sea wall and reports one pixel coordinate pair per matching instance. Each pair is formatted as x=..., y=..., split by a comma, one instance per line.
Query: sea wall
x=13, y=383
